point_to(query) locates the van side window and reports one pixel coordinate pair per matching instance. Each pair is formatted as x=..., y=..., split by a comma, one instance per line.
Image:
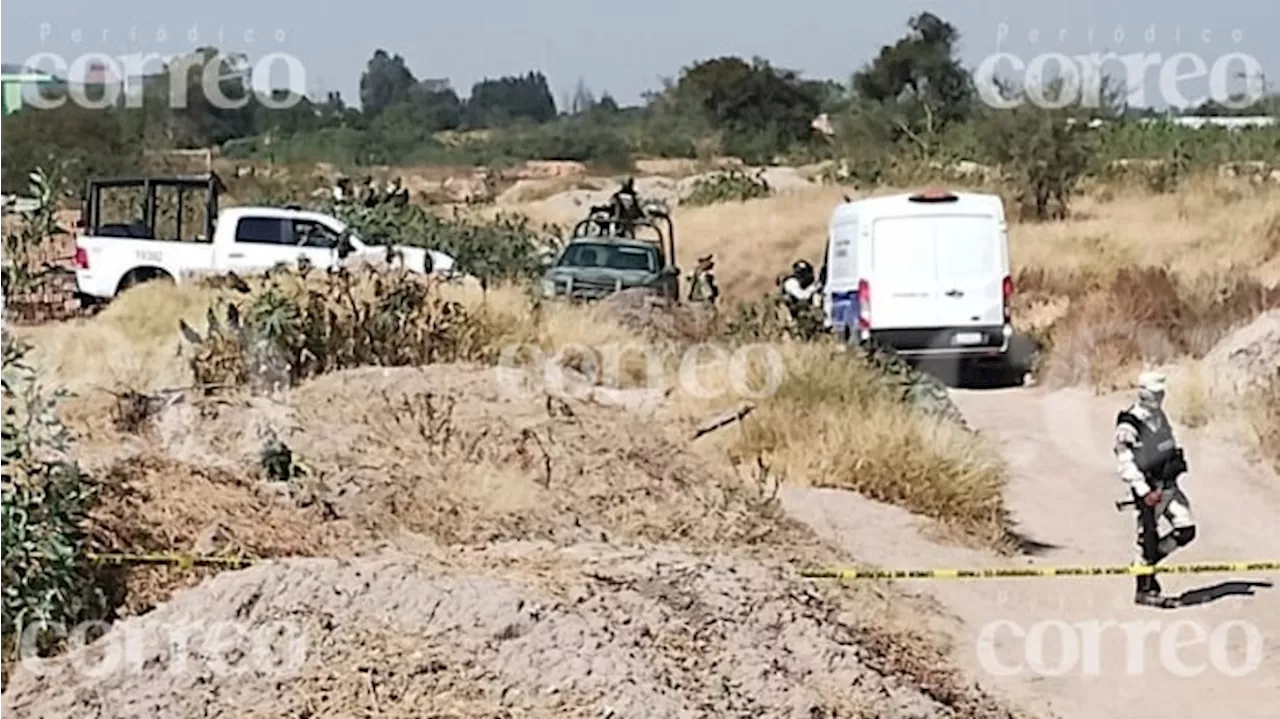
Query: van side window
x=264, y=231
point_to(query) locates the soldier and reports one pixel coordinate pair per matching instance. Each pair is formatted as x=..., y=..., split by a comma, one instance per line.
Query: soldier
x=1150, y=463
x=369, y=197
x=397, y=193
x=802, y=294
x=626, y=207
x=702, y=283
x=342, y=189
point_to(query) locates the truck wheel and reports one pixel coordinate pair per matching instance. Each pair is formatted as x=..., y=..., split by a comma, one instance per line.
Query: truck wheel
x=141, y=275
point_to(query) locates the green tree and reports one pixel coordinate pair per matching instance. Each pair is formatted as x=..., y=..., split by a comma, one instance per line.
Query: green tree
x=759, y=109
x=494, y=103
x=386, y=81
x=919, y=79
x=1044, y=152
x=438, y=109
x=583, y=100
x=607, y=104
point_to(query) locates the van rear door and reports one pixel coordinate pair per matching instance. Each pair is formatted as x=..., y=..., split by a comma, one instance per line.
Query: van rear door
x=970, y=271
x=904, y=283
x=841, y=291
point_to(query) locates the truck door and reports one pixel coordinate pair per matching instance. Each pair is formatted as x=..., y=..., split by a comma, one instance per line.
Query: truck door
x=261, y=243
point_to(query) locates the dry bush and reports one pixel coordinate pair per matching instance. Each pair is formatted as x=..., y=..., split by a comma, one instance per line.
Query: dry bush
x=1192, y=401
x=455, y=455
x=1141, y=315
x=153, y=504
x=302, y=324
x=836, y=422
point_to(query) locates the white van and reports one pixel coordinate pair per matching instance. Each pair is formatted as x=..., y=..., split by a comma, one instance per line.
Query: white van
x=926, y=274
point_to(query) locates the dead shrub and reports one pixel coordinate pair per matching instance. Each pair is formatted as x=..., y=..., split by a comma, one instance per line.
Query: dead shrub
x=836, y=422
x=151, y=504
x=301, y=324
x=1146, y=315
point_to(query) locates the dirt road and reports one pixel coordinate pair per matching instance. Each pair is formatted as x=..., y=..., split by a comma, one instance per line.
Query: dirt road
x=1047, y=656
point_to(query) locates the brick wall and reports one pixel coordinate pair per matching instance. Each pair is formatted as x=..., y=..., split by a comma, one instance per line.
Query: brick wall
x=55, y=300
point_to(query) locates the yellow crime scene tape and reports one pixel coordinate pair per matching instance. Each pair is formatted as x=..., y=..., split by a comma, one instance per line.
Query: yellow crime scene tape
x=172, y=558
x=196, y=560
x=1006, y=573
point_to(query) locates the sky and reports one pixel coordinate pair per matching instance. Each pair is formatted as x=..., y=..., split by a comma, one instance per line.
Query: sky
x=572, y=40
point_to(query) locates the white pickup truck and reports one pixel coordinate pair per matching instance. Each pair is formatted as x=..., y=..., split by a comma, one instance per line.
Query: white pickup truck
x=245, y=240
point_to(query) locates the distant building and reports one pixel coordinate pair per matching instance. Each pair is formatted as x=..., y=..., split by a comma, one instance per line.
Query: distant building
x=439, y=84
x=1231, y=123
x=16, y=81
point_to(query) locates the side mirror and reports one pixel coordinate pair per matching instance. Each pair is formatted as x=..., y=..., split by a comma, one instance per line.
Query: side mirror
x=344, y=246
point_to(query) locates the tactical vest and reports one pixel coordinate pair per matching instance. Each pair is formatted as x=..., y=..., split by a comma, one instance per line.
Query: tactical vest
x=1157, y=453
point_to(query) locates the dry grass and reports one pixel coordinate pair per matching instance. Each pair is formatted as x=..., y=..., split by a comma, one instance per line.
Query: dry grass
x=1168, y=264
x=1113, y=324
x=833, y=423
x=829, y=423
x=1211, y=226
x=133, y=341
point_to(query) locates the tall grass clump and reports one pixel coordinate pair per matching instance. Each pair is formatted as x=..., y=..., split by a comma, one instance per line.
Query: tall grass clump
x=837, y=421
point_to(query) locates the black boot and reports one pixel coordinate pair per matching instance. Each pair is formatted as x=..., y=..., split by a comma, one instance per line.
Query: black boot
x=1148, y=593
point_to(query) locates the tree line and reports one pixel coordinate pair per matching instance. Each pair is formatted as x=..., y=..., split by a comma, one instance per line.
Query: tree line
x=913, y=103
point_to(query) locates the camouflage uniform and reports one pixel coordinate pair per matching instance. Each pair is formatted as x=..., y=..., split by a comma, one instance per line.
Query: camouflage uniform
x=1151, y=462
x=702, y=283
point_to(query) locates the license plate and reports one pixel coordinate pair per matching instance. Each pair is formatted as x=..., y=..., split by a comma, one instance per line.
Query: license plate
x=967, y=338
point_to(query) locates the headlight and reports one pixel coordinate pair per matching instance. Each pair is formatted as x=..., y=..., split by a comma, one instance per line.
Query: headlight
x=548, y=288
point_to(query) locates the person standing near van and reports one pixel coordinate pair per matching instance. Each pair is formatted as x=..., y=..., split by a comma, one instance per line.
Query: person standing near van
x=800, y=287
x=802, y=294
x=1150, y=463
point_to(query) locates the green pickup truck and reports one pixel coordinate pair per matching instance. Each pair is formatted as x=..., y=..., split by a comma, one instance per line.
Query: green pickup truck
x=604, y=256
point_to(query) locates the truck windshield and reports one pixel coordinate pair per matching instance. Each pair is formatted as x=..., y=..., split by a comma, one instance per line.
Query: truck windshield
x=610, y=256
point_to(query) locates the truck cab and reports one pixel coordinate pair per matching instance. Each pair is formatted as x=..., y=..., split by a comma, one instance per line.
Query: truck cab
x=605, y=255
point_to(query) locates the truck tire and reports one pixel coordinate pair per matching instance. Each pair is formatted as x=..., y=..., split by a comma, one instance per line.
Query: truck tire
x=139, y=275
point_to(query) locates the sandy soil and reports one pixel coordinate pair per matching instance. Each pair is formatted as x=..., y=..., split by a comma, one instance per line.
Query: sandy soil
x=474, y=553
x=1061, y=492
x=515, y=629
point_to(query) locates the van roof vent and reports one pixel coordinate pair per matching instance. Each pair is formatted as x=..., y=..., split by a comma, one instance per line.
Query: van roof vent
x=934, y=194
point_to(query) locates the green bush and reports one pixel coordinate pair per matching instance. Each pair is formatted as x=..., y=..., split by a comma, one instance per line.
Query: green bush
x=507, y=247
x=46, y=504
x=727, y=186
x=303, y=323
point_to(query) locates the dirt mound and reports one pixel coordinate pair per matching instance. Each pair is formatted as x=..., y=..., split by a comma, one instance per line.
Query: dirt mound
x=642, y=311
x=157, y=505
x=1247, y=356
x=470, y=454
x=522, y=630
